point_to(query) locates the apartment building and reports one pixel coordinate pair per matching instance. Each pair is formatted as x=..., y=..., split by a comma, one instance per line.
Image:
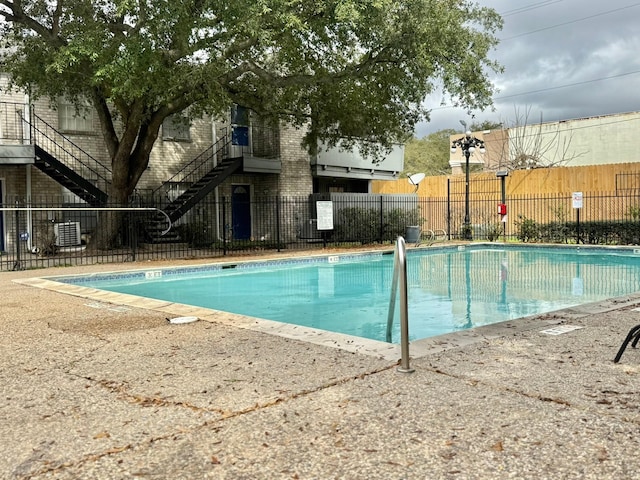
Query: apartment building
x=48, y=152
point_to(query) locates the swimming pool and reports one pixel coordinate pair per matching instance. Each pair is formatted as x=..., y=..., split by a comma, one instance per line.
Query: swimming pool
x=449, y=289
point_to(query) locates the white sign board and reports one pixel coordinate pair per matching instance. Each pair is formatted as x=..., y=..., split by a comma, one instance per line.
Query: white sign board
x=577, y=199
x=324, y=210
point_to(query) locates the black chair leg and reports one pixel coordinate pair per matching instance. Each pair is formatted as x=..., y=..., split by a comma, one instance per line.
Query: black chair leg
x=634, y=334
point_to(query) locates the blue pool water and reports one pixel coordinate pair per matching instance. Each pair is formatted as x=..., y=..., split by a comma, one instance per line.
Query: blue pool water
x=449, y=289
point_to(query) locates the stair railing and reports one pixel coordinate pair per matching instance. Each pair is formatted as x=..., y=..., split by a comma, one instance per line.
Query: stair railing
x=13, y=129
x=68, y=153
x=196, y=168
x=400, y=277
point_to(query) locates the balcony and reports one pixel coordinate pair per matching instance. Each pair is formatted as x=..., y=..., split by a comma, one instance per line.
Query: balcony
x=16, y=154
x=338, y=162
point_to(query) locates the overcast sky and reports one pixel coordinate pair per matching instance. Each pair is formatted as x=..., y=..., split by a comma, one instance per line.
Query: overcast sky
x=562, y=59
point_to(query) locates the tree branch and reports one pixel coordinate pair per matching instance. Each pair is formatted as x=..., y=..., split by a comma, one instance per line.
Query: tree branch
x=106, y=122
x=55, y=20
x=19, y=16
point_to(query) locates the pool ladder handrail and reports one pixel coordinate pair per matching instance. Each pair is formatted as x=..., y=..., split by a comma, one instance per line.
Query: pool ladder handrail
x=400, y=277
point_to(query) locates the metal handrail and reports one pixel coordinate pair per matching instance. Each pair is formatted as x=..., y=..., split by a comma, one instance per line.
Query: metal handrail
x=18, y=263
x=67, y=152
x=202, y=163
x=400, y=276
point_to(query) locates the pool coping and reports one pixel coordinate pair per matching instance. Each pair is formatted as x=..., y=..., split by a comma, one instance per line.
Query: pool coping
x=418, y=348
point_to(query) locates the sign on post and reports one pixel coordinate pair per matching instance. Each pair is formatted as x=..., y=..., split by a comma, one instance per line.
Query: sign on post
x=577, y=199
x=577, y=205
x=324, y=209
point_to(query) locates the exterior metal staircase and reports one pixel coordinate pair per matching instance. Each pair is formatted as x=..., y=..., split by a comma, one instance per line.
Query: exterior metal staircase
x=69, y=165
x=196, y=180
x=68, y=178
x=202, y=187
x=73, y=168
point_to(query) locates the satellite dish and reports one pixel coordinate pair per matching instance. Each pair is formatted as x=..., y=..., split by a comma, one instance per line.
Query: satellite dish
x=415, y=179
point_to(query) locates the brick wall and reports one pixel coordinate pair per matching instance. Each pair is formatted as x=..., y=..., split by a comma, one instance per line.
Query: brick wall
x=169, y=156
x=295, y=178
x=91, y=142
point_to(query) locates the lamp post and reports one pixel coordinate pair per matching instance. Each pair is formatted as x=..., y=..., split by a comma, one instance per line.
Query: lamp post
x=468, y=144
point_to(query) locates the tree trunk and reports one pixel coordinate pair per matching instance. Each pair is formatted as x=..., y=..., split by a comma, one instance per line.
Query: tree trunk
x=130, y=158
x=117, y=227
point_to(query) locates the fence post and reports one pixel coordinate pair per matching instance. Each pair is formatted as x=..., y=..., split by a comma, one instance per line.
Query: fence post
x=18, y=263
x=448, y=209
x=278, y=222
x=381, y=236
x=224, y=226
x=133, y=236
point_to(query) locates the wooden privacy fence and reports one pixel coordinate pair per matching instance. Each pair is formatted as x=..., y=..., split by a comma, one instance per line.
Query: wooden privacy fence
x=610, y=193
x=622, y=178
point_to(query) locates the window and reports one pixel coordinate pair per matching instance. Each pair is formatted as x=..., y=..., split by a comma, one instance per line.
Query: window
x=75, y=118
x=177, y=128
x=239, y=115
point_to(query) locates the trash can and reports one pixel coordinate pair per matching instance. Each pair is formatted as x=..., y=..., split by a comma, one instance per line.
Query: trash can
x=412, y=234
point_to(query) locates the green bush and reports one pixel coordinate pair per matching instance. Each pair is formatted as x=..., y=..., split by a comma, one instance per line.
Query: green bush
x=528, y=229
x=466, y=231
x=244, y=245
x=590, y=232
x=366, y=225
x=555, y=232
x=356, y=224
x=397, y=220
x=607, y=232
x=493, y=231
x=196, y=234
x=634, y=212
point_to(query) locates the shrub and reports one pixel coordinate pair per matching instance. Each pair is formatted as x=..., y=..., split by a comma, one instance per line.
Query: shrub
x=607, y=232
x=555, y=232
x=366, y=225
x=244, y=245
x=396, y=221
x=45, y=240
x=196, y=234
x=493, y=231
x=634, y=212
x=528, y=229
x=356, y=224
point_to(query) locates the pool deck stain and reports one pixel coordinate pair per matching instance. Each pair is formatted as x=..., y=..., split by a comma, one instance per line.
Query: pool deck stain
x=104, y=393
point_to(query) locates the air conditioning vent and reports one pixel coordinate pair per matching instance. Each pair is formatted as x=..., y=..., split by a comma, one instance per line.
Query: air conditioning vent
x=67, y=234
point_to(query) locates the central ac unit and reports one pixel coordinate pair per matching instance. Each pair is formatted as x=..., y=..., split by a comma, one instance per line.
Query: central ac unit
x=67, y=234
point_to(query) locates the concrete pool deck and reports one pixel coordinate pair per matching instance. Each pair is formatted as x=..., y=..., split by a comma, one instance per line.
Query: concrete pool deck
x=102, y=387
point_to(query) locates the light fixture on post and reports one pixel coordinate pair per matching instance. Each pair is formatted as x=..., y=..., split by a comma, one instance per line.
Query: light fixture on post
x=468, y=144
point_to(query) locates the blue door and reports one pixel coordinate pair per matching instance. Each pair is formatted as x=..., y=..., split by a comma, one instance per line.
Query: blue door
x=241, y=212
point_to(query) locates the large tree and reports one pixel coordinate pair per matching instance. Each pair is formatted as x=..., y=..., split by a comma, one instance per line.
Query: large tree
x=428, y=155
x=359, y=69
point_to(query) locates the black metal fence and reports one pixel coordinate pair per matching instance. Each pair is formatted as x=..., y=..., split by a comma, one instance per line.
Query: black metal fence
x=45, y=232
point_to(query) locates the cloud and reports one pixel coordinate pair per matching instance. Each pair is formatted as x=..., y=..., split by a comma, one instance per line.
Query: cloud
x=563, y=59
